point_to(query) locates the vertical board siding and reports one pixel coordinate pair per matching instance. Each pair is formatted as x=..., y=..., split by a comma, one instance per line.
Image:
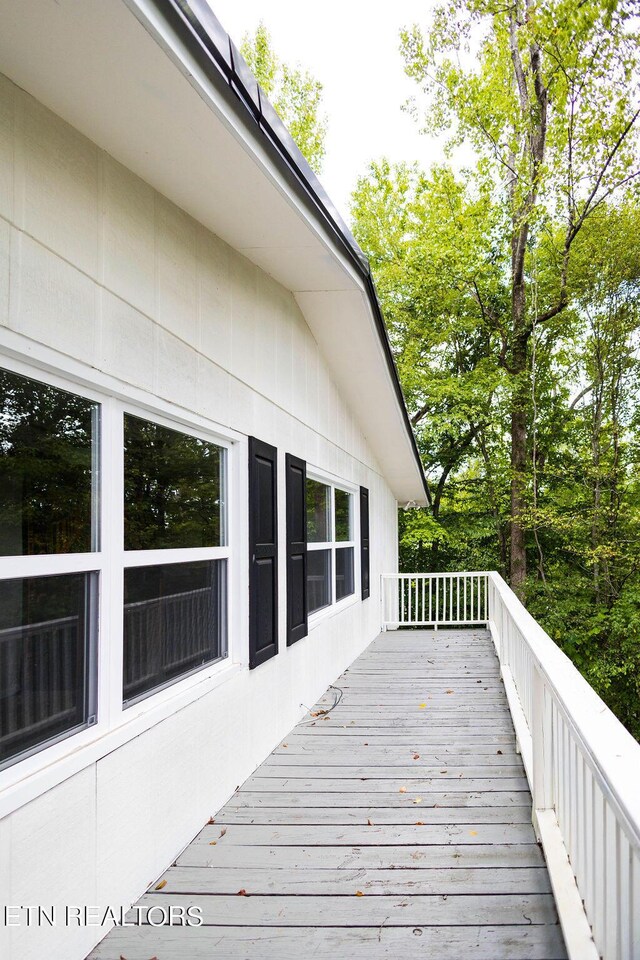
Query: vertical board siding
x=88, y=291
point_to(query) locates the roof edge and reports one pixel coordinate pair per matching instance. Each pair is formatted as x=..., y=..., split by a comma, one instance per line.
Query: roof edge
x=213, y=49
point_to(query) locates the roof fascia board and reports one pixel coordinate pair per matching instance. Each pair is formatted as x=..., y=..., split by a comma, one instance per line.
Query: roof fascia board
x=192, y=36
x=232, y=103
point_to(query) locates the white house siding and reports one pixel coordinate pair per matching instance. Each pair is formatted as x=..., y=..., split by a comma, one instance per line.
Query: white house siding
x=98, y=266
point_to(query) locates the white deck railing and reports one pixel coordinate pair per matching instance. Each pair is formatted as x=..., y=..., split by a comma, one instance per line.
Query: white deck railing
x=582, y=765
x=434, y=599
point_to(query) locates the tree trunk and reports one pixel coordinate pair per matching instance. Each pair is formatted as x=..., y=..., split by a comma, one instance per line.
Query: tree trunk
x=518, y=558
x=519, y=400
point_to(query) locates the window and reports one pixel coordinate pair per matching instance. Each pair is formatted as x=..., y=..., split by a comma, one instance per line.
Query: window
x=173, y=486
x=174, y=612
x=48, y=507
x=173, y=622
x=330, y=544
x=164, y=553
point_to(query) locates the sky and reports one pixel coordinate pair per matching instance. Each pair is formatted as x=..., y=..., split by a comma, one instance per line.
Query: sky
x=354, y=52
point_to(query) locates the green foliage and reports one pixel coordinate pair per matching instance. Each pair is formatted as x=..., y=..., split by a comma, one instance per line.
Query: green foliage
x=554, y=183
x=294, y=93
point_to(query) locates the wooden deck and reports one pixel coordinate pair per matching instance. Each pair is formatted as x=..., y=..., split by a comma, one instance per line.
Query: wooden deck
x=398, y=825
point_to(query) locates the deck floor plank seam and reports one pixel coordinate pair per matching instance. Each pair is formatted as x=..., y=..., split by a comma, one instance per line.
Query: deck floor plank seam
x=396, y=824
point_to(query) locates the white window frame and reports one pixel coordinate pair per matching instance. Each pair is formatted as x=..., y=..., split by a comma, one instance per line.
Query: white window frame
x=336, y=483
x=43, y=768
x=163, y=556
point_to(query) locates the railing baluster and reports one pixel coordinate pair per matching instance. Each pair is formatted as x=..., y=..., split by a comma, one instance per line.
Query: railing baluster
x=574, y=780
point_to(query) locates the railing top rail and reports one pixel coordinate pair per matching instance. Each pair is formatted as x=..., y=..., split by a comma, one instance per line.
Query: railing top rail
x=431, y=576
x=610, y=750
x=34, y=627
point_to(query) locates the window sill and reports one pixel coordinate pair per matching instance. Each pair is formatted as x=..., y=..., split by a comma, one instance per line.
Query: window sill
x=30, y=778
x=326, y=613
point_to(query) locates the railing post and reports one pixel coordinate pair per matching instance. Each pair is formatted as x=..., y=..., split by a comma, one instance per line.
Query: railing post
x=541, y=747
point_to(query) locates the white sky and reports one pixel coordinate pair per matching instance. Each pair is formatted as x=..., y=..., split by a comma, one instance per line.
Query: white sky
x=354, y=51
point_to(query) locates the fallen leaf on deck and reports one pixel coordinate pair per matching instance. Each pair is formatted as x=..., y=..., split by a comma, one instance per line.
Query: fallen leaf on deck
x=369, y=823
x=242, y=893
x=418, y=800
x=416, y=756
x=402, y=790
x=162, y=884
x=499, y=751
x=284, y=744
x=211, y=820
x=443, y=771
x=222, y=832
x=359, y=893
x=473, y=833
x=448, y=691
x=212, y=843
x=419, y=823
x=421, y=706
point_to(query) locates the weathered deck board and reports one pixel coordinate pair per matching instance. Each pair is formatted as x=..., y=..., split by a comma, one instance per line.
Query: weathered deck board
x=365, y=911
x=377, y=857
x=441, y=882
x=516, y=942
x=377, y=815
x=488, y=798
x=410, y=793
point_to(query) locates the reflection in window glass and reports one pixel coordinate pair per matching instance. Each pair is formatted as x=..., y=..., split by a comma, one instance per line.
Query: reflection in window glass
x=318, y=512
x=174, y=622
x=48, y=448
x=343, y=503
x=44, y=656
x=344, y=572
x=173, y=488
x=318, y=579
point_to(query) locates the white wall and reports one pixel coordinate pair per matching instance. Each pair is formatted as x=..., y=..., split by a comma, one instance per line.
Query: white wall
x=101, y=268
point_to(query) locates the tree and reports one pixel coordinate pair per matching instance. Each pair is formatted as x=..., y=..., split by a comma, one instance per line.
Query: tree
x=294, y=93
x=548, y=97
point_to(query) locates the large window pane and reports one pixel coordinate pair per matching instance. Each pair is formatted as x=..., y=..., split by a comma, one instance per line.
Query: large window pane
x=318, y=579
x=173, y=488
x=173, y=622
x=48, y=453
x=318, y=512
x=344, y=572
x=44, y=659
x=344, y=514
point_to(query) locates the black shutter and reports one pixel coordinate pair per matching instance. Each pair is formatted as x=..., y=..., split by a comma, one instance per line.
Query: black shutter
x=296, y=549
x=263, y=552
x=364, y=542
